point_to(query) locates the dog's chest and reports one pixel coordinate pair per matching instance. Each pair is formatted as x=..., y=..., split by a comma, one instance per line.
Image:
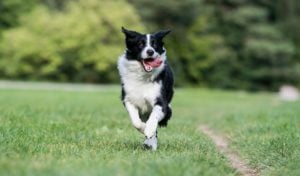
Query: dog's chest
x=142, y=94
x=140, y=88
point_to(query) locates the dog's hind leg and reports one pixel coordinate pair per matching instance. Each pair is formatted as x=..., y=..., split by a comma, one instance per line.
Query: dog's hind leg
x=168, y=114
x=134, y=116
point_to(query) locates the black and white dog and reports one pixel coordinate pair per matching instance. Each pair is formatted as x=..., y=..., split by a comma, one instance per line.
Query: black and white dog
x=147, y=83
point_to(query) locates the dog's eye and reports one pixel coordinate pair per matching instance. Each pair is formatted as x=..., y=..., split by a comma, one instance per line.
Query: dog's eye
x=153, y=43
x=141, y=44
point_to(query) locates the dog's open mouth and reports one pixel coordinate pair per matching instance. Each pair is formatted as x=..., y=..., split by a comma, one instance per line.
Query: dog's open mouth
x=151, y=63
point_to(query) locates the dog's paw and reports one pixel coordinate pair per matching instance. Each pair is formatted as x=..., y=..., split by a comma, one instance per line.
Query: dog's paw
x=151, y=143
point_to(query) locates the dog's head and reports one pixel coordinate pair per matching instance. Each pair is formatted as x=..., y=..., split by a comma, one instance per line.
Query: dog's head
x=146, y=48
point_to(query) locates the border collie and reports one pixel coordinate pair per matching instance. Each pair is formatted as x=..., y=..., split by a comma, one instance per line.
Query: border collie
x=147, y=83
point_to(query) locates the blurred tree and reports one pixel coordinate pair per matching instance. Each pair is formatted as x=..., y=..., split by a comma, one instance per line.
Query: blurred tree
x=196, y=49
x=265, y=55
x=56, y=4
x=81, y=42
x=262, y=57
x=12, y=10
x=205, y=56
x=288, y=17
x=168, y=13
x=177, y=16
x=246, y=44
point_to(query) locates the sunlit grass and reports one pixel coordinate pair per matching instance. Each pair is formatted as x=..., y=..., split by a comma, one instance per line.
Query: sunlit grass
x=89, y=133
x=264, y=130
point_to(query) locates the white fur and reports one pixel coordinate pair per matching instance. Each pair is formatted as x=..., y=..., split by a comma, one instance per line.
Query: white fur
x=138, y=85
x=151, y=125
x=151, y=142
x=134, y=116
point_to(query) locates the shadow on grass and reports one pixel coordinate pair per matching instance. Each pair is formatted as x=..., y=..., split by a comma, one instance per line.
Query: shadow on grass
x=163, y=145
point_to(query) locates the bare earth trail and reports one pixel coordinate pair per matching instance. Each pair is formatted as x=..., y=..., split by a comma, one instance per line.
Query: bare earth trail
x=222, y=144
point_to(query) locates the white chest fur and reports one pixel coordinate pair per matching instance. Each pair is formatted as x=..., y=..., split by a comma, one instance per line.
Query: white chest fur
x=142, y=95
x=139, y=86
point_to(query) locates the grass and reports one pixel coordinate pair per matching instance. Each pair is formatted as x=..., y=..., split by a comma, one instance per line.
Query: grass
x=89, y=133
x=264, y=130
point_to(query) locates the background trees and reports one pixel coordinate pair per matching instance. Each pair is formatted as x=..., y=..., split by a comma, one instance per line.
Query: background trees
x=79, y=41
x=234, y=44
x=251, y=29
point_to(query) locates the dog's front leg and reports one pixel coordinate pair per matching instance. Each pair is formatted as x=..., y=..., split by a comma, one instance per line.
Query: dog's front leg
x=134, y=116
x=151, y=125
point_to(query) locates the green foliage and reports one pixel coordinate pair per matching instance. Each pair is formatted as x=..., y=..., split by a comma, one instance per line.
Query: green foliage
x=12, y=10
x=226, y=44
x=179, y=16
x=267, y=57
x=239, y=44
x=168, y=13
x=246, y=15
x=194, y=50
x=265, y=54
x=205, y=54
x=80, y=43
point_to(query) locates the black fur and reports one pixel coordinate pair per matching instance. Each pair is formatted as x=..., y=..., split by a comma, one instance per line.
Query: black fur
x=166, y=76
x=135, y=43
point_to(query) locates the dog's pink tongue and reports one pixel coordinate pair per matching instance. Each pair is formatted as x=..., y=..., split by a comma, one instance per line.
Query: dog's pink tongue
x=154, y=63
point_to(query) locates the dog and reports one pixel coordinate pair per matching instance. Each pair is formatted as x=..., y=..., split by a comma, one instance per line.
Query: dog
x=147, y=83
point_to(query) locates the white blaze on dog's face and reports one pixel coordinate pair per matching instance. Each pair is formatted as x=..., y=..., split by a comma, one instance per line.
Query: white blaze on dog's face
x=146, y=48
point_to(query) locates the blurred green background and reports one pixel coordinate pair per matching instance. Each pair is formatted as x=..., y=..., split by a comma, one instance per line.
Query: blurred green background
x=230, y=44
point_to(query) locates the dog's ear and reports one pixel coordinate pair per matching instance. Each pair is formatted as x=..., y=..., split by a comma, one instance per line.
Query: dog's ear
x=129, y=33
x=162, y=34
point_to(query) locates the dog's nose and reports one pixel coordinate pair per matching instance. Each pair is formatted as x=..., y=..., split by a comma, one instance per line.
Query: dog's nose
x=150, y=52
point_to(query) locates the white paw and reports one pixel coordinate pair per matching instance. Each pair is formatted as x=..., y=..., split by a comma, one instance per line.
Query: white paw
x=151, y=143
x=150, y=129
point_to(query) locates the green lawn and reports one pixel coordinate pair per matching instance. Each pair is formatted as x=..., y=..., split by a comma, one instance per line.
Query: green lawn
x=89, y=133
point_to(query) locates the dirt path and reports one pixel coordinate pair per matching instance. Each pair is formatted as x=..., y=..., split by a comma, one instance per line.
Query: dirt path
x=235, y=161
